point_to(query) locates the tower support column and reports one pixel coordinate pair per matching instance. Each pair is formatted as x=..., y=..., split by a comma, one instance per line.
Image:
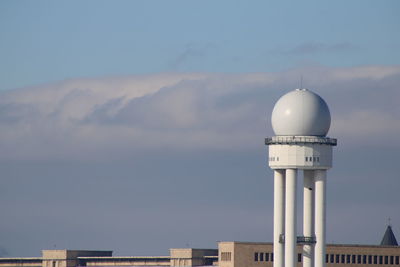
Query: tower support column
x=320, y=217
x=308, y=217
x=291, y=219
x=279, y=217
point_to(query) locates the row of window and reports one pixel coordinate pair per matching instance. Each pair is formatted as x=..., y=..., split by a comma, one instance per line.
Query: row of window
x=226, y=256
x=362, y=259
x=308, y=159
x=312, y=159
x=263, y=256
x=340, y=258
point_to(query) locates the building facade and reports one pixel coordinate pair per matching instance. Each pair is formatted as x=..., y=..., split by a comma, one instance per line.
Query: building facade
x=228, y=254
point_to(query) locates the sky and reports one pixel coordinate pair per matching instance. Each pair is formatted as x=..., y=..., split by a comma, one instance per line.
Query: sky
x=138, y=126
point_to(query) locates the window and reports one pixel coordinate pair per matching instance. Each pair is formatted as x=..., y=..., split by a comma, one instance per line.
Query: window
x=299, y=257
x=337, y=258
x=53, y=263
x=266, y=256
x=364, y=259
x=380, y=259
x=332, y=258
x=272, y=256
x=369, y=259
x=386, y=259
x=326, y=258
x=226, y=256
x=348, y=257
x=306, y=158
x=353, y=258
x=317, y=159
x=277, y=158
x=261, y=256
x=343, y=259
x=397, y=260
x=391, y=260
x=359, y=259
x=375, y=259
x=256, y=256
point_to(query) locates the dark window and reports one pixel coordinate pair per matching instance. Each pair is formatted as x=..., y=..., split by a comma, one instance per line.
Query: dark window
x=332, y=258
x=375, y=259
x=391, y=260
x=369, y=259
x=348, y=257
x=353, y=258
x=386, y=259
x=256, y=256
x=299, y=257
x=266, y=256
x=359, y=259
x=380, y=259
x=306, y=158
x=343, y=258
x=364, y=259
x=337, y=258
x=326, y=258
x=277, y=158
x=397, y=260
x=272, y=256
x=261, y=256
x=318, y=159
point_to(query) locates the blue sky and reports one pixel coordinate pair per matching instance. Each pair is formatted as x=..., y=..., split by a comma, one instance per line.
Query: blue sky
x=138, y=126
x=45, y=41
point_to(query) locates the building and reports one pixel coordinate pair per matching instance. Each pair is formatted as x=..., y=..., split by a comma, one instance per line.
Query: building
x=228, y=254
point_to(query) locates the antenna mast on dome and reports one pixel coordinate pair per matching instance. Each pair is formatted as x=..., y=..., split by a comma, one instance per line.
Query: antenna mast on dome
x=301, y=81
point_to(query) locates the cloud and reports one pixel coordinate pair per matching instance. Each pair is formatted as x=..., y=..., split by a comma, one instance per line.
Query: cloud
x=192, y=51
x=186, y=111
x=317, y=47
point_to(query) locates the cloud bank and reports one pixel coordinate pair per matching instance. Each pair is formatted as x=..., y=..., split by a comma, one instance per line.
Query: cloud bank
x=88, y=117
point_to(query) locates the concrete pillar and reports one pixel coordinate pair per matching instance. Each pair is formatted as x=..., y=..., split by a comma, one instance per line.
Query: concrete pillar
x=279, y=217
x=308, y=217
x=291, y=219
x=320, y=217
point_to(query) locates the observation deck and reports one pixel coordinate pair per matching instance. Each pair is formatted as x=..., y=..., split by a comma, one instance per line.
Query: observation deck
x=300, y=140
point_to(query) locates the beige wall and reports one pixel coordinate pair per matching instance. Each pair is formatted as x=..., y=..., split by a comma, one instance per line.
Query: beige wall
x=147, y=261
x=68, y=258
x=242, y=254
x=21, y=262
x=190, y=256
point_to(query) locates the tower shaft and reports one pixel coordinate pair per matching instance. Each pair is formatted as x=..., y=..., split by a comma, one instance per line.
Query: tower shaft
x=287, y=155
x=279, y=217
x=291, y=219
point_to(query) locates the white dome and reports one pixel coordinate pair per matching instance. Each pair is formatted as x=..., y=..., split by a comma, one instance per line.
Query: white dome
x=301, y=112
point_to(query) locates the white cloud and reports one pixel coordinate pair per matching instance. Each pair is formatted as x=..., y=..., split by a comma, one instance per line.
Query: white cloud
x=88, y=117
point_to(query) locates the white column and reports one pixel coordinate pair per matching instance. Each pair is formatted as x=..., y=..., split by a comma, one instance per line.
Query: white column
x=279, y=216
x=320, y=217
x=290, y=219
x=308, y=217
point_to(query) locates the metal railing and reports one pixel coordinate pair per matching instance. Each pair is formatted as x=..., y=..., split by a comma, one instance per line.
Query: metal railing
x=304, y=240
x=293, y=140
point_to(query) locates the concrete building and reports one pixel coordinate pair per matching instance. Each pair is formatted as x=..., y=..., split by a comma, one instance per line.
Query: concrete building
x=301, y=121
x=228, y=254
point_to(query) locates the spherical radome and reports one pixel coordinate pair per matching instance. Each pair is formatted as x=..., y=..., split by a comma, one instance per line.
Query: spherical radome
x=301, y=112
